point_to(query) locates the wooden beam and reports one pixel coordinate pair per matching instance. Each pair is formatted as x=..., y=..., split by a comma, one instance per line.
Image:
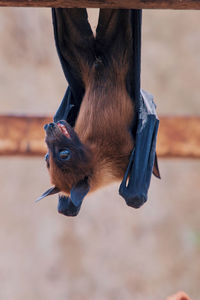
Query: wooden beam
x=24, y=135
x=158, y=4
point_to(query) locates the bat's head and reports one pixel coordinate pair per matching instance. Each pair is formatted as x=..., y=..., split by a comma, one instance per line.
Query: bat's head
x=68, y=160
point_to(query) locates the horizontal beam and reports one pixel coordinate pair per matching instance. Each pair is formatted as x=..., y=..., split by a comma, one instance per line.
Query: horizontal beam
x=150, y=4
x=24, y=135
x=179, y=137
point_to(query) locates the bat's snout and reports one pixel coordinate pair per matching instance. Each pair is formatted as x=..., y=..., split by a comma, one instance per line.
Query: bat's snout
x=49, y=126
x=51, y=129
x=58, y=129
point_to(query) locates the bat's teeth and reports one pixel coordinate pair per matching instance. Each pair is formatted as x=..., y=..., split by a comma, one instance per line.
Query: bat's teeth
x=64, y=130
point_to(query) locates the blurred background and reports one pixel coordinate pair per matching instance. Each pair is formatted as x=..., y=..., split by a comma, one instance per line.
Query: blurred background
x=110, y=251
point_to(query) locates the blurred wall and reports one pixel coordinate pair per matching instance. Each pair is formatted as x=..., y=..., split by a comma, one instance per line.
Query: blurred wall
x=110, y=251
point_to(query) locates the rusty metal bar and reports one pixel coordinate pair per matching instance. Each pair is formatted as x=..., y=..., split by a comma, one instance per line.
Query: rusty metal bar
x=24, y=135
x=158, y=4
x=179, y=137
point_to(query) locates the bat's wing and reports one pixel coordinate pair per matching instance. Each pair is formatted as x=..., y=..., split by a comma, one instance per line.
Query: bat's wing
x=74, y=42
x=135, y=184
x=136, y=181
x=73, y=39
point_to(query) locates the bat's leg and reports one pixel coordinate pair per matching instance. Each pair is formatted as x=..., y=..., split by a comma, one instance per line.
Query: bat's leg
x=75, y=45
x=114, y=32
x=75, y=39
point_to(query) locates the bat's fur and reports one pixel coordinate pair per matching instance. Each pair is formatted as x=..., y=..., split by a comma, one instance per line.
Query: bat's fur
x=101, y=142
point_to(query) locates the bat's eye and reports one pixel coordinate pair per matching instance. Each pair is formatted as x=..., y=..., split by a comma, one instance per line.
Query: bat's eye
x=65, y=154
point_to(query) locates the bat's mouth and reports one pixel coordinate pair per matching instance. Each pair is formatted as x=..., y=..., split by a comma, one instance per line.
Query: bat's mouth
x=57, y=129
x=63, y=129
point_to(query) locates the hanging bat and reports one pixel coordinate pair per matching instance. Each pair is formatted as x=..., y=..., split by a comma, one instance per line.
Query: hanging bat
x=94, y=147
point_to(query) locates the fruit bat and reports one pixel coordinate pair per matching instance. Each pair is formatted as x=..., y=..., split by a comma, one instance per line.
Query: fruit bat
x=105, y=128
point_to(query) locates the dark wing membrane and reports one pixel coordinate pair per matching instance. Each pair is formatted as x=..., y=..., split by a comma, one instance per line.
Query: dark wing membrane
x=135, y=184
x=74, y=42
x=136, y=181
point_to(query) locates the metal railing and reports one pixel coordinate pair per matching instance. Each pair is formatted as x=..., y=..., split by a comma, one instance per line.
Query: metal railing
x=24, y=135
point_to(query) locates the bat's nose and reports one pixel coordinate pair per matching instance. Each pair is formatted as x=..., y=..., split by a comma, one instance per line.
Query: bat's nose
x=49, y=126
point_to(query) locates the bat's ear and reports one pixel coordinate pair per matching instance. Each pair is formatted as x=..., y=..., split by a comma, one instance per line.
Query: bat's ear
x=156, y=171
x=70, y=206
x=51, y=191
x=79, y=191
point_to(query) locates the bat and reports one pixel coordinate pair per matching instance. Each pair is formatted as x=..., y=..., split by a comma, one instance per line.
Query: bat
x=94, y=138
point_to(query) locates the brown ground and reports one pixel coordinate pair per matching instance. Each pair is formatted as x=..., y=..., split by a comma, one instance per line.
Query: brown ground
x=110, y=251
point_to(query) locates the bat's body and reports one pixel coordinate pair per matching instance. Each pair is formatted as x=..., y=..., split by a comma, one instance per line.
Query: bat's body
x=96, y=151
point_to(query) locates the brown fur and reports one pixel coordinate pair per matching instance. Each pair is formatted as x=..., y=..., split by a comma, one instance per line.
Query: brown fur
x=64, y=182
x=109, y=113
